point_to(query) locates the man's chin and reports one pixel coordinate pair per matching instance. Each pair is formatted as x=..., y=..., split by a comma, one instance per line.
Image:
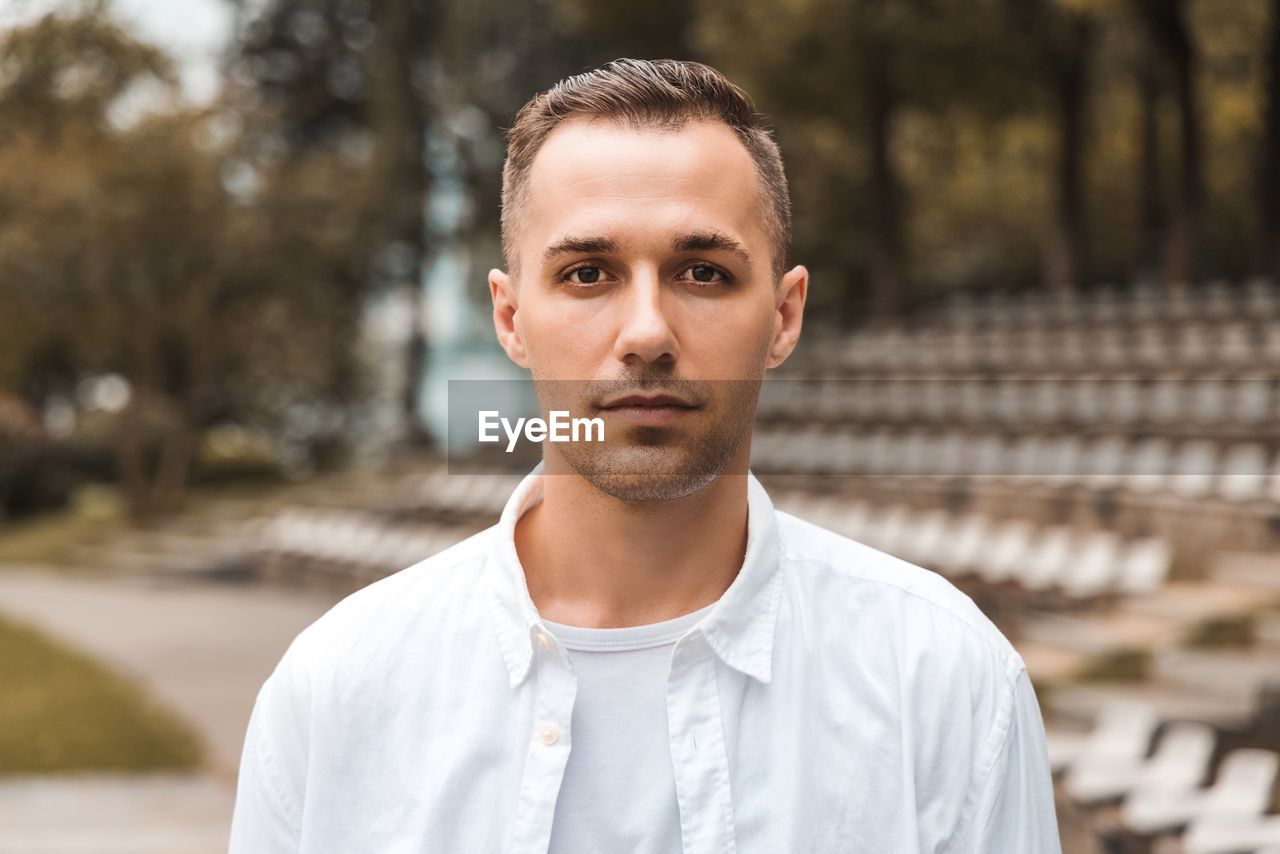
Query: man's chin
x=648, y=473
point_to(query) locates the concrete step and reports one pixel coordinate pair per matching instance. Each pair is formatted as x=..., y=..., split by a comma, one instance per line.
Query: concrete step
x=1048, y=664
x=1239, y=674
x=1078, y=705
x=1192, y=602
x=1257, y=570
x=1096, y=635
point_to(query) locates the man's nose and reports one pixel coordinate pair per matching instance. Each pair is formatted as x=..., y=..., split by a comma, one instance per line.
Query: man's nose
x=645, y=333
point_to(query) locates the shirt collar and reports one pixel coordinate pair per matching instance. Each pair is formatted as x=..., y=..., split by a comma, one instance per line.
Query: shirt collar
x=739, y=629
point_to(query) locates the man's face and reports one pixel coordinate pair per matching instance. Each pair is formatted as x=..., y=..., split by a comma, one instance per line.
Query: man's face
x=645, y=296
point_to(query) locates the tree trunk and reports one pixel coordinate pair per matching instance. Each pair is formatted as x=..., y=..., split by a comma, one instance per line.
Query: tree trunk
x=1269, y=183
x=1168, y=25
x=399, y=178
x=887, y=252
x=1150, y=204
x=133, y=439
x=174, y=468
x=1064, y=265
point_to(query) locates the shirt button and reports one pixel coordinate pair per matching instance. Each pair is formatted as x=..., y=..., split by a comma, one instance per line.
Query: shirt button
x=544, y=641
x=548, y=734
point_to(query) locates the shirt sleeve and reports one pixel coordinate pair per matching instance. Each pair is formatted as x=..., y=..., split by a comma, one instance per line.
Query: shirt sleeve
x=1015, y=808
x=267, y=816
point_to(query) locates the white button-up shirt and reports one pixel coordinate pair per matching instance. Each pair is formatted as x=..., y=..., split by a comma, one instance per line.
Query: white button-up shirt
x=835, y=699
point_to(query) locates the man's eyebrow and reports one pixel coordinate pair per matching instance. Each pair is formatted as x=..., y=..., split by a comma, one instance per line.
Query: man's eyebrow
x=579, y=246
x=710, y=241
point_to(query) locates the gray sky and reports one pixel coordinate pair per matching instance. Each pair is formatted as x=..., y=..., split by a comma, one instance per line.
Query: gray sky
x=194, y=32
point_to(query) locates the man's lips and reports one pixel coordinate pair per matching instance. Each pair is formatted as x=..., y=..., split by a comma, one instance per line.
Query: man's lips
x=649, y=410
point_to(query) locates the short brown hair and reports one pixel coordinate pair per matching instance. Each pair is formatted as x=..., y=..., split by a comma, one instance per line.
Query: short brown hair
x=641, y=93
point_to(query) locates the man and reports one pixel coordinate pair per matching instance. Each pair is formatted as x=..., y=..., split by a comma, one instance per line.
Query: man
x=642, y=655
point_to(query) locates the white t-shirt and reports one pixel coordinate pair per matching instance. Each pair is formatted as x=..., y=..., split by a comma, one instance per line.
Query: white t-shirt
x=619, y=791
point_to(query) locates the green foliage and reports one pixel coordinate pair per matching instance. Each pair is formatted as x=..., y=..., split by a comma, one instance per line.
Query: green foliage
x=62, y=712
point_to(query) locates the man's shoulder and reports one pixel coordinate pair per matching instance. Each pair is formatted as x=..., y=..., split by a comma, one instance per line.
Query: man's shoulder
x=384, y=611
x=883, y=587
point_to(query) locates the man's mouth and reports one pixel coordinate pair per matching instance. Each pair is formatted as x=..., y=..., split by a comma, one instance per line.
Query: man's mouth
x=649, y=410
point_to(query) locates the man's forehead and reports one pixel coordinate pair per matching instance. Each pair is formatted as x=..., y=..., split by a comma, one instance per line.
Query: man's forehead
x=586, y=156
x=698, y=178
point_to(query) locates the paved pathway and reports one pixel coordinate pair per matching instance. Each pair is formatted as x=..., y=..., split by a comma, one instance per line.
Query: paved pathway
x=202, y=650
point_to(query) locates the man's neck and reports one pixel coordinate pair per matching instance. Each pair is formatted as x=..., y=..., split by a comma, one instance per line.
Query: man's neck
x=594, y=560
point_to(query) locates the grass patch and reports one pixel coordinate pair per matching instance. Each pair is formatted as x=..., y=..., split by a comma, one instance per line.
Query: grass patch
x=52, y=538
x=60, y=711
x=1120, y=665
x=1231, y=632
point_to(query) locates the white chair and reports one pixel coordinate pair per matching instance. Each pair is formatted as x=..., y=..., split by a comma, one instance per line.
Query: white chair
x=1180, y=763
x=988, y=454
x=952, y=450
x=1096, y=568
x=1240, y=792
x=880, y=452
x=1193, y=469
x=849, y=519
x=1209, y=397
x=1147, y=470
x=1048, y=560
x=1244, y=473
x=914, y=452
x=1121, y=735
x=1086, y=401
x=889, y=529
x=1025, y=456
x=1047, y=400
x=1193, y=346
x=1250, y=399
x=1165, y=401
x=1231, y=836
x=1235, y=344
x=973, y=403
x=929, y=539
x=1110, y=347
x=960, y=555
x=1007, y=550
x=1123, y=401
x=1218, y=300
x=1103, y=459
x=1072, y=348
x=1150, y=348
x=1144, y=565
x=1061, y=463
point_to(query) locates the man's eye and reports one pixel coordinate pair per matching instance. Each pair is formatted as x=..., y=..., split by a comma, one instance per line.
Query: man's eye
x=584, y=276
x=705, y=274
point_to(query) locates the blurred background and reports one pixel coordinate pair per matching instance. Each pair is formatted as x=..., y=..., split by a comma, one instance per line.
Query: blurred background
x=242, y=255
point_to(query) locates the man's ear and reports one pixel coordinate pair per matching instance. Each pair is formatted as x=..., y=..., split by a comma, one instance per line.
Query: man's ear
x=790, y=297
x=505, y=306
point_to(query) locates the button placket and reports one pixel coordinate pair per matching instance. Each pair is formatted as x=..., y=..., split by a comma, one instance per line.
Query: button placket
x=555, y=689
x=698, y=754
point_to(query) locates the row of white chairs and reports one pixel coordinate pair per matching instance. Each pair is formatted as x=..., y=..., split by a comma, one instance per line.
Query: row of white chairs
x=463, y=493
x=1092, y=401
x=1190, y=469
x=1195, y=344
x=1166, y=789
x=1258, y=297
x=352, y=538
x=1079, y=564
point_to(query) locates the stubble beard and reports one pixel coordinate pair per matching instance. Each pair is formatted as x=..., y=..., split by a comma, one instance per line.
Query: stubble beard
x=650, y=467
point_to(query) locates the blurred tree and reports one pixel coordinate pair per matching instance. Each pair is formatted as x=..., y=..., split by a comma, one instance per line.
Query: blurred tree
x=354, y=75
x=156, y=251
x=1166, y=22
x=1269, y=173
x=1063, y=36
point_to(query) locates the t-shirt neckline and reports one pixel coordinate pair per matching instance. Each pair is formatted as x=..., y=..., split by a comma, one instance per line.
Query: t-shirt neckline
x=627, y=637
